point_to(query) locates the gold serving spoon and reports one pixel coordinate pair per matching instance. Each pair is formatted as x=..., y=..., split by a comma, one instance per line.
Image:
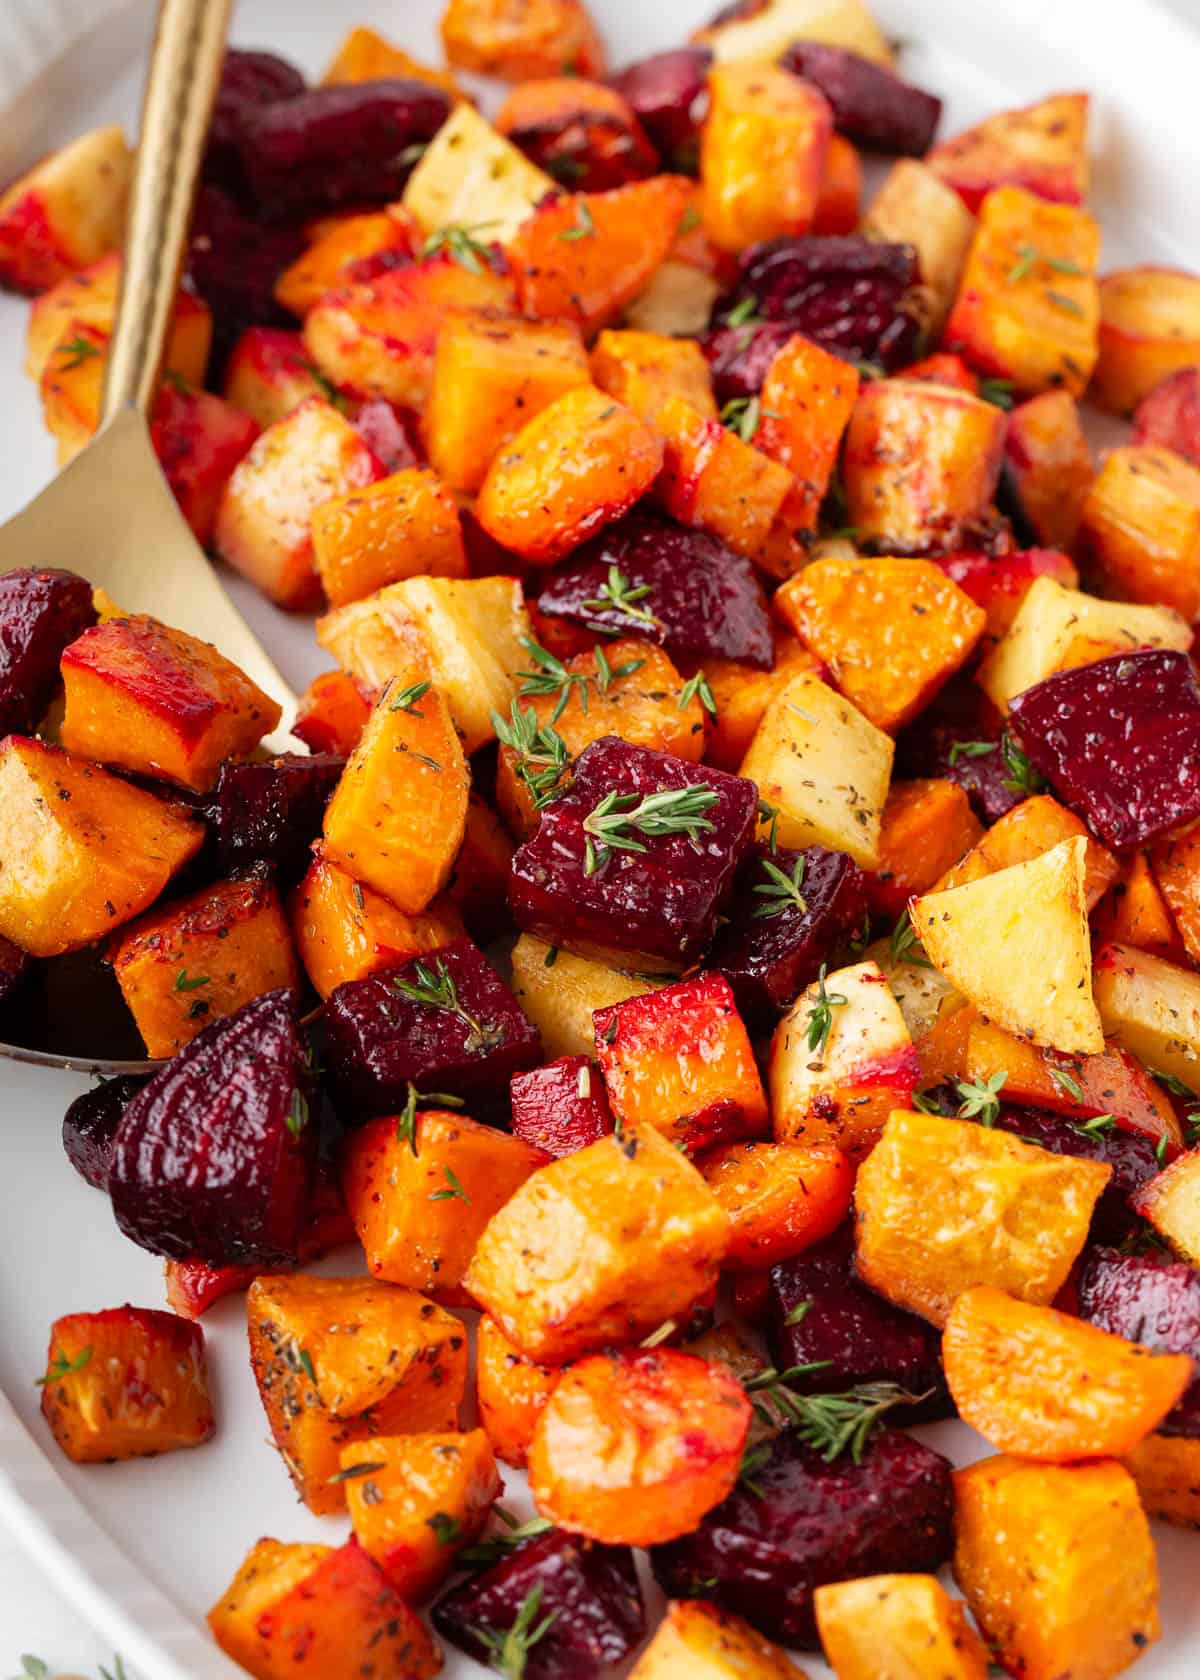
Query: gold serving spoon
x=110, y=515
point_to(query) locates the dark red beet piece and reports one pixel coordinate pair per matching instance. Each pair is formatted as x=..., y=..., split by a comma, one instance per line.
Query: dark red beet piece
x=270, y=811
x=948, y=740
x=588, y=151
x=1170, y=415
x=340, y=145
x=846, y=292
x=668, y=93
x=705, y=600
x=864, y=1337
x=1119, y=742
x=653, y=910
x=249, y=80
x=233, y=263
x=470, y=1037
x=591, y=1591
x=14, y=965
x=1131, y=1155
x=768, y=960
x=383, y=429
x=214, y=1157
x=738, y=357
x=561, y=1107
x=806, y=1522
x=41, y=613
x=1150, y=1299
x=90, y=1126
x=870, y=104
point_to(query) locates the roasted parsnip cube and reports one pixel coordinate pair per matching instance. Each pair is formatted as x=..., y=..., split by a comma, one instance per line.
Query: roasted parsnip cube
x=404, y=526
x=126, y=1383
x=1041, y=147
x=559, y=992
x=762, y=154
x=1029, y=830
x=921, y=465
x=149, y=698
x=491, y=374
x=1028, y=307
x=1169, y=1201
x=352, y=248
x=269, y=374
x=1149, y=329
x=644, y=370
x=841, y=1060
x=341, y=1359
x=510, y=1391
x=471, y=175
x=345, y=930
x=942, y=1205
x=80, y=851
x=365, y=56
x=1057, y=1565
x=928, y=827
x=1152, y=1008
x=925, y=996
x=1048, y=467
x=897, y=1625
x=68, y=211
x=760, y=35
x=263, y=523
x=808, y=397
x=600, y=1247
x=397, y=817
x=519, y=42
x=698, y=1641
x=712, y=479
x=915, y=207
x=420, y=1203
x=1140, y=527
x=90, y=298
x=825, y=767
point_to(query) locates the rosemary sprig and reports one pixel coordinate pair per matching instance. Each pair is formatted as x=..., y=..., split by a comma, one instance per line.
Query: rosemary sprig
x=832, y=1424
x=820, y=1014
x=508, y=1652
x=981, y=1102
x=459, y=242
x=435, y=989
x=486, y=1552
x=62, y=1366
x=1029, y=256
x=447, y=1530
x=753, y=1460
x=1097, y=1126
x=614, y=823
x=540, y=750
x=780, y=891
x=617, y=595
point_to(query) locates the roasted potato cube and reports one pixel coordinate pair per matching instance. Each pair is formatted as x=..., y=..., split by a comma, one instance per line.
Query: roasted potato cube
x=712, y=479
x=345, y=930
x=519, y=42
x=942, y=1205
x=1140, y=527
x=1041, y=147
x=897, y=1626
x=152, y=699
x=677, y=300
x=600, y=1247
x=762, y=155
x=760, y=34
x=1030, y=830
x=1152, y=1008
x=471, y=175
x=1149, y=329
x=510, y=1391
x=644, y=370
x=698, y=1641
x=560, y=992
x=67, y=212
x=89, y=299
x=338, y=1360
x=1057, y=1565
x=80, y=851
x=915, y=207
x=400, y=527
x=1048, y=468
x=125, y=1383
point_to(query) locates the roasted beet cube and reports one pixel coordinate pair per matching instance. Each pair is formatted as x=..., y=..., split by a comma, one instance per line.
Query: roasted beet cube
x=345, y=144
x=667, y=92
x=1119, y=742
x=213, y=1158
x=1131, y=1154
x=806, y=1522
x=774, y=943
x=41, y=612
x=959, y=738
x=233, y=263
x=561, y=1107
x=870, y=104
x=249, y=80
x=738, y=357
x=14, y=965
x=591, y=1591
x=1170, y=415
x=90, y=1126
x=863, y=1337
x=846, y=292
x=1150, y=1299
x=270, y=811
x=699, y=599
x=444, y=1022
x=652, y=909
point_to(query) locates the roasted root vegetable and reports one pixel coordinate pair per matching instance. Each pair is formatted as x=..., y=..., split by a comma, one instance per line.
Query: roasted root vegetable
x=470, y=176
x=1139, y=525
x=353, y=248
x=897, y=1625
x=561, y=1107
x=516, y=43
x=761, y=34
x=644, y=370
x=268, y=811
x=1135, y=911
x=403, y=526
x=665, y=92
x=344, y=930
x=88, y=299
x=42, y=611
x=1170, y=415
x=698, y=1641
x=125, y=1383
x=1029, y=830
x=510, y=1392
x=332, y=714
x=928, y=826
x=1165, y=1469
x=1152, y=1008
x=1149, y=329
x=268, y=374
x=716, y=481
x=67, y=212
x=1048, y=468
x=366, y=56
x=559, y=992
x=1041, y=148
x=807, y=399
x=583, y=134
x=780, y=1198
x=1169, y=1203
x=784, y=124
x=914, y=206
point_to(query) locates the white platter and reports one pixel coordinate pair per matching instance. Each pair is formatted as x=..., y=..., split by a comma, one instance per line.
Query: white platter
x=143, y=1549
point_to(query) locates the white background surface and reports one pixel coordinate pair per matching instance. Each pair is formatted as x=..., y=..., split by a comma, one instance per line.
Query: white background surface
x=33, y=1618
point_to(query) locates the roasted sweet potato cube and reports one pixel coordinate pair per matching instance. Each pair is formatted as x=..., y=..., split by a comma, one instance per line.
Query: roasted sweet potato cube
x=742, y=695
x=530, y=505
x=72, y=386
x=420, y=1201
x=125, y=1383
x=1057, y=1565
x=1029, y=831
x=365, y=56
x=928, y=825
x=580, y=132
x=341, y=1359
x=397, y=816
x=263, y=523
x=1135, y=912
x=1028, y=307
x=560, y=992
x=780, y=1198
x=478, y=888
x=492, y=373
x=558, y=1269
x=510, y=1391
x=914, y=206
x=149, y=698
x=402, y=526
x=294, y=1611
x=561, y=1107
x=345, y=930
x=644, y=370
x=517, y=43
x=1048, y=468
x=269, y=374
x=942, y=1205
x=698, y=1641
x=890, y=631
x=1041, y=147
x=714, y=480
x=921, y=465
x=67, y=212
x=80, y=851
x=1149, y=329
x=897, y=1624
x=353, y=248
x=1140, y=527
x=680, y=1060
x=808, y=397
x=415, y=1499
x=762, y=155
x=90, y=298
x=332, y=714
x=1166, y=1469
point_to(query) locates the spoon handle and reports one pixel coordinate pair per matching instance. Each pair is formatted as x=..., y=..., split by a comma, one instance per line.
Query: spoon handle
x=185, y=67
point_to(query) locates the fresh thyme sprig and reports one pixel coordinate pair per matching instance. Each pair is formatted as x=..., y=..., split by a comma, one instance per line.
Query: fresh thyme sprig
x=453, y=1188
x=617, y=595
x=971, y=749
x=619, y=817
x=508, y=1652
x=1022, y=777
x=541, y=752
x=405, y=699
x=981, y=1102
x=61, y=1366
x=905, y=946
x=297, y=1114
x=435, y=989
x=406, y=1121
x=742, y=416
x=486, y=1552
x=79, y=349
x=769, y=814
x=832, y=1424
x=780, y=891
x=584, y=227
x=697, y=688
x=553, y=677
x=744, y=313
x=459, y=242
x=820, y=1014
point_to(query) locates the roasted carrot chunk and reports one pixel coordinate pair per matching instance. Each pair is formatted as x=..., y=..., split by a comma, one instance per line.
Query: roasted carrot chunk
x=1149, y=329
x=519, y=42
x=902, y=1625
x=1135, y=911
x=928, y=825
x=510, y=1392
x=478, y=888
x=332, y=714
x=713, y=479
x=344, y=252
x=403, y=526
x=345, y=930
x=808, y=397
x=780, y=1198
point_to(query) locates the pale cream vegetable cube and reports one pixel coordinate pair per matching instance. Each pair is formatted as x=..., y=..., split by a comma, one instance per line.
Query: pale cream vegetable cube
x=924, y=995
x=558, y=991
x=471, y=176
x=697, y=1641
x=914, y=207
x=1151, y=1007
x=766, y=35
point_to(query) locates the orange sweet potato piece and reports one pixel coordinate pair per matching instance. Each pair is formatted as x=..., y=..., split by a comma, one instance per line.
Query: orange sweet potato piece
x=942, y=1048
x=332, y=259
x=942, y=368
x=125, y=1383
x=332, y=714
x=89, y=298
x=365, y=56
x=1166, y=1469
x=1134, y=910
x=928, y=825
x=644, y=370
x=839, y=206
x=520, y=41
x=1033, y=827
x=1041, y=1384
x=579, y=464
x=345, y=930
x=1176, y=868
x=1041, y=147
x=479, y=885
x=1048, y=461
x=511, y=1392
x=312, y=1613
x=403, y=526
x=763, y=151
x=891, y=631
x=903, y=1625
x=80, y=851
x=338, y=1360
x=1140, y=527
x=397, y=816
x=149, y=698
x=808, y=397
x=780, y=1198
x=583, y=256
x=742, y=696
x=1149, y=329
x=680, y=1060
x=415, y=1499
x=697, y=1641
x=71, y=388
x=713, y=479
x=634, y=1447
x=67, y=211
x=1172, y=1205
